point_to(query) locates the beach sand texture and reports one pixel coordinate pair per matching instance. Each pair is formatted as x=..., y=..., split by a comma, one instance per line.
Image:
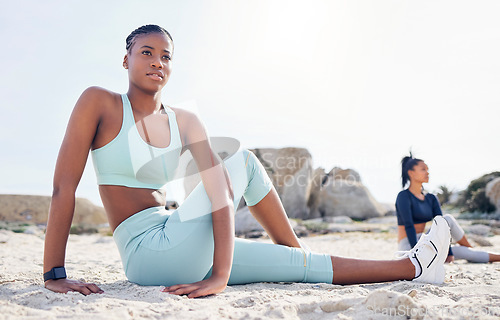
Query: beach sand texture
x=471, y=291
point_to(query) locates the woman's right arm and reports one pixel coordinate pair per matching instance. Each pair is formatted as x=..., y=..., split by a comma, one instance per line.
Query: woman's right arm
x=403, y=206
x=70, y=164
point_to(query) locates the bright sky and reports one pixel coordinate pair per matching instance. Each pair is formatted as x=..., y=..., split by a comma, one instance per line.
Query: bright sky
x=357, y=83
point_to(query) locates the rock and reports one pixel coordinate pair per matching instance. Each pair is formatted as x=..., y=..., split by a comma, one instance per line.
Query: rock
x=293, y=223
x=479, y=240
x=390, y=220
x=291, y=171
x=301, y=231
x=344, y=174
x=254, y=234
x=391, y=303
x=494, y=223
x=339, y=220
x=245, y=222
x=341, y=197
x=306, y=193
x=336, y=227
x=390, y=208
x=478, y=229
x=35, y=209
x=246, y=225
x=34, y=230
x=314, y=221
x=474, y=199
x=336, y=306
x=479, y=216
x=83, y=228
x=493, y=193
x=316, y=225
x=318, y=178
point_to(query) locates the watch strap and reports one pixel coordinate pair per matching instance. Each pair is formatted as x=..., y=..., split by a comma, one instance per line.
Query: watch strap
x=55, y=273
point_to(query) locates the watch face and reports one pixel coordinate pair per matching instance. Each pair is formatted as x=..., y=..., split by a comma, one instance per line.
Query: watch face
x=59, y=273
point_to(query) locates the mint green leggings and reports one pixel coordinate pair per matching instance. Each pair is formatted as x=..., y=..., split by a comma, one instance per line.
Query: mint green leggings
x=160, y=247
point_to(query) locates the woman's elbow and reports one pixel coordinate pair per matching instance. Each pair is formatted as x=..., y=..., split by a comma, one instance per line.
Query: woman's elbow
x=63, y=189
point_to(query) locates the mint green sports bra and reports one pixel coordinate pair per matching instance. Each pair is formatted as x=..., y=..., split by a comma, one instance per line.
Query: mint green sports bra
x=130, y=161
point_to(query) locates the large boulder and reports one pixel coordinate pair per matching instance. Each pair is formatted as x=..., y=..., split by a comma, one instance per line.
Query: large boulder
x=246, y=225
x=474, y=199
x=35, y=209
x=343, y=194
x=344, y=174
x=291, y=171
x=318, y=179
x=244, y=222
x=307, y=193
x=493, y=193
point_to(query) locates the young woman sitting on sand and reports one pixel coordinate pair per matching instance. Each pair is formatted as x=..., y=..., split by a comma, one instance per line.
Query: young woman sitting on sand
x=414, y=209
x=135, y=143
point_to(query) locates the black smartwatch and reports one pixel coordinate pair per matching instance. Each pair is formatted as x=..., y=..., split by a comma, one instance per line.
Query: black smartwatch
x=55, y=273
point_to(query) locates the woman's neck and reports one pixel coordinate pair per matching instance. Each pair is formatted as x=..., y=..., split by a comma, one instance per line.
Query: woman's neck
x=144, y=102
x=415, y=188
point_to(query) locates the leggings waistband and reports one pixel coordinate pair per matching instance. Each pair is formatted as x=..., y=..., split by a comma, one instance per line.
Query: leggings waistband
x=140, y=222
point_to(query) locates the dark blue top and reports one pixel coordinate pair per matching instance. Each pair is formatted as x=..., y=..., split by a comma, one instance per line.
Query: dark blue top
x=411, y=210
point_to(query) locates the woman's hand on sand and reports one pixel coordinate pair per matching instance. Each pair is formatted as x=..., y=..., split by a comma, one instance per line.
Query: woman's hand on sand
x=65, y=285
x=202, y=288
x=450, y=259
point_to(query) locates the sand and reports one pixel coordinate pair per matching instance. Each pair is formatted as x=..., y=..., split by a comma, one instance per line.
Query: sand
x=471, y=291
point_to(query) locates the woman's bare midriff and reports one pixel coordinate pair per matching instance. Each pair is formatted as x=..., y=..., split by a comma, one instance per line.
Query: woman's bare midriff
x=122, y=202
x=419, y=228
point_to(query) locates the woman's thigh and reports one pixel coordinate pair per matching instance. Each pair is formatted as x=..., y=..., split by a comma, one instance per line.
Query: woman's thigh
x=181, y=251
x=404, y=244
x=456, y=230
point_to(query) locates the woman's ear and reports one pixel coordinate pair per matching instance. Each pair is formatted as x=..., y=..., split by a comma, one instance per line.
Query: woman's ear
x=125, y=62
x=411, y=172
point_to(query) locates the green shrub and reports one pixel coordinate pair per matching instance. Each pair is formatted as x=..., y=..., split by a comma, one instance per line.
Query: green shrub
x=315, y=227
x=83, y=229
x=444, y=194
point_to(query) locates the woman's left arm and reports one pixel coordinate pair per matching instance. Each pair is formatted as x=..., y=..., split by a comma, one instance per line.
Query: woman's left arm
x=436, y=207
x=218, y=187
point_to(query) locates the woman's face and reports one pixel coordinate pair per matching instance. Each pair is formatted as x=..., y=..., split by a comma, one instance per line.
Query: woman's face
x=419, y=173
x=149, y=62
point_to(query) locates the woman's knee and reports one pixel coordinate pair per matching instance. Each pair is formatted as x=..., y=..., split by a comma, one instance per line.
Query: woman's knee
x=449, y=218
x=456, y=231
x=452, y=222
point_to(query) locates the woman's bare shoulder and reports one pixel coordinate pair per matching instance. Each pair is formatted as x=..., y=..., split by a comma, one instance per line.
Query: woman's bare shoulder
x=98, y=95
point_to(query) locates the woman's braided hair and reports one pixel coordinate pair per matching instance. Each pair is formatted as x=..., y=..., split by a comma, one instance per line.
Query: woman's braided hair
x=147, y=29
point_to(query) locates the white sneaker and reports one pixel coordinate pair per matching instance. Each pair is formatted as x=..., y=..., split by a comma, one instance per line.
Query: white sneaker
x=431, y=251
